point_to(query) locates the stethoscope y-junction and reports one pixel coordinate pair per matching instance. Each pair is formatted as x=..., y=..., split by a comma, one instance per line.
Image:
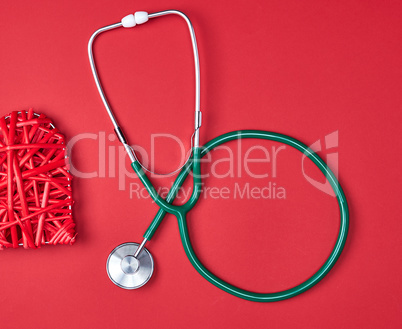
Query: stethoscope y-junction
x=130, y=265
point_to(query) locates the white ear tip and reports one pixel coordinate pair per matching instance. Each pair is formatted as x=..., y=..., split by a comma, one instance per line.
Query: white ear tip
x=128, y=21
x=141, y=17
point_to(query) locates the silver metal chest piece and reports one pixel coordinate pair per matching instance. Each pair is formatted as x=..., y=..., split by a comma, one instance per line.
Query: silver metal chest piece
x=125, y=270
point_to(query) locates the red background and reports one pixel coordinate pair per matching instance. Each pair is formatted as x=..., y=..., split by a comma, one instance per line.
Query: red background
x=305, y=69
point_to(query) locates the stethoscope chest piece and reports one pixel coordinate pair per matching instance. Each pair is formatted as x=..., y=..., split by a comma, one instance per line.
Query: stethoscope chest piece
x=127, y=271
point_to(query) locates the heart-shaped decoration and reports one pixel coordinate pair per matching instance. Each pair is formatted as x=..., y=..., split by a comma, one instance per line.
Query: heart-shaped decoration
x=35, y=184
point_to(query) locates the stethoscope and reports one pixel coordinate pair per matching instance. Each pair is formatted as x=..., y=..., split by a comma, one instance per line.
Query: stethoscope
x=130, y=265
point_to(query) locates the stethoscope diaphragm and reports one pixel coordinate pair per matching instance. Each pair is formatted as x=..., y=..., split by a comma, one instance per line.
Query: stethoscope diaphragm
x=127, y=271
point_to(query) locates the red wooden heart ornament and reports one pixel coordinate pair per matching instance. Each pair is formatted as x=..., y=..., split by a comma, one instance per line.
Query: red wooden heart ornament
x=35, y=185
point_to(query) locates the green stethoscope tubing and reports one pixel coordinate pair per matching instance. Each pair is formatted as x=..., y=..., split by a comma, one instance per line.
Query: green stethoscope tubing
x=181, y=211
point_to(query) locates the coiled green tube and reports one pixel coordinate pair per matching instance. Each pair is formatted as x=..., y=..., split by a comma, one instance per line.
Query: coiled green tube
x=181, y=211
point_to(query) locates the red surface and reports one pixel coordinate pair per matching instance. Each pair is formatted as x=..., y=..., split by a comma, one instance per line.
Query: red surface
x=306, y=69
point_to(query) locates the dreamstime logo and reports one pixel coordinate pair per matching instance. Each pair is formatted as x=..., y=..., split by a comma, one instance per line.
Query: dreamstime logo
x=331, y=143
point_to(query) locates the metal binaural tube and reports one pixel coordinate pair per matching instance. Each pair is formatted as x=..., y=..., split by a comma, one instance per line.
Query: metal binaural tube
x=118, y=130
x=95, y=73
